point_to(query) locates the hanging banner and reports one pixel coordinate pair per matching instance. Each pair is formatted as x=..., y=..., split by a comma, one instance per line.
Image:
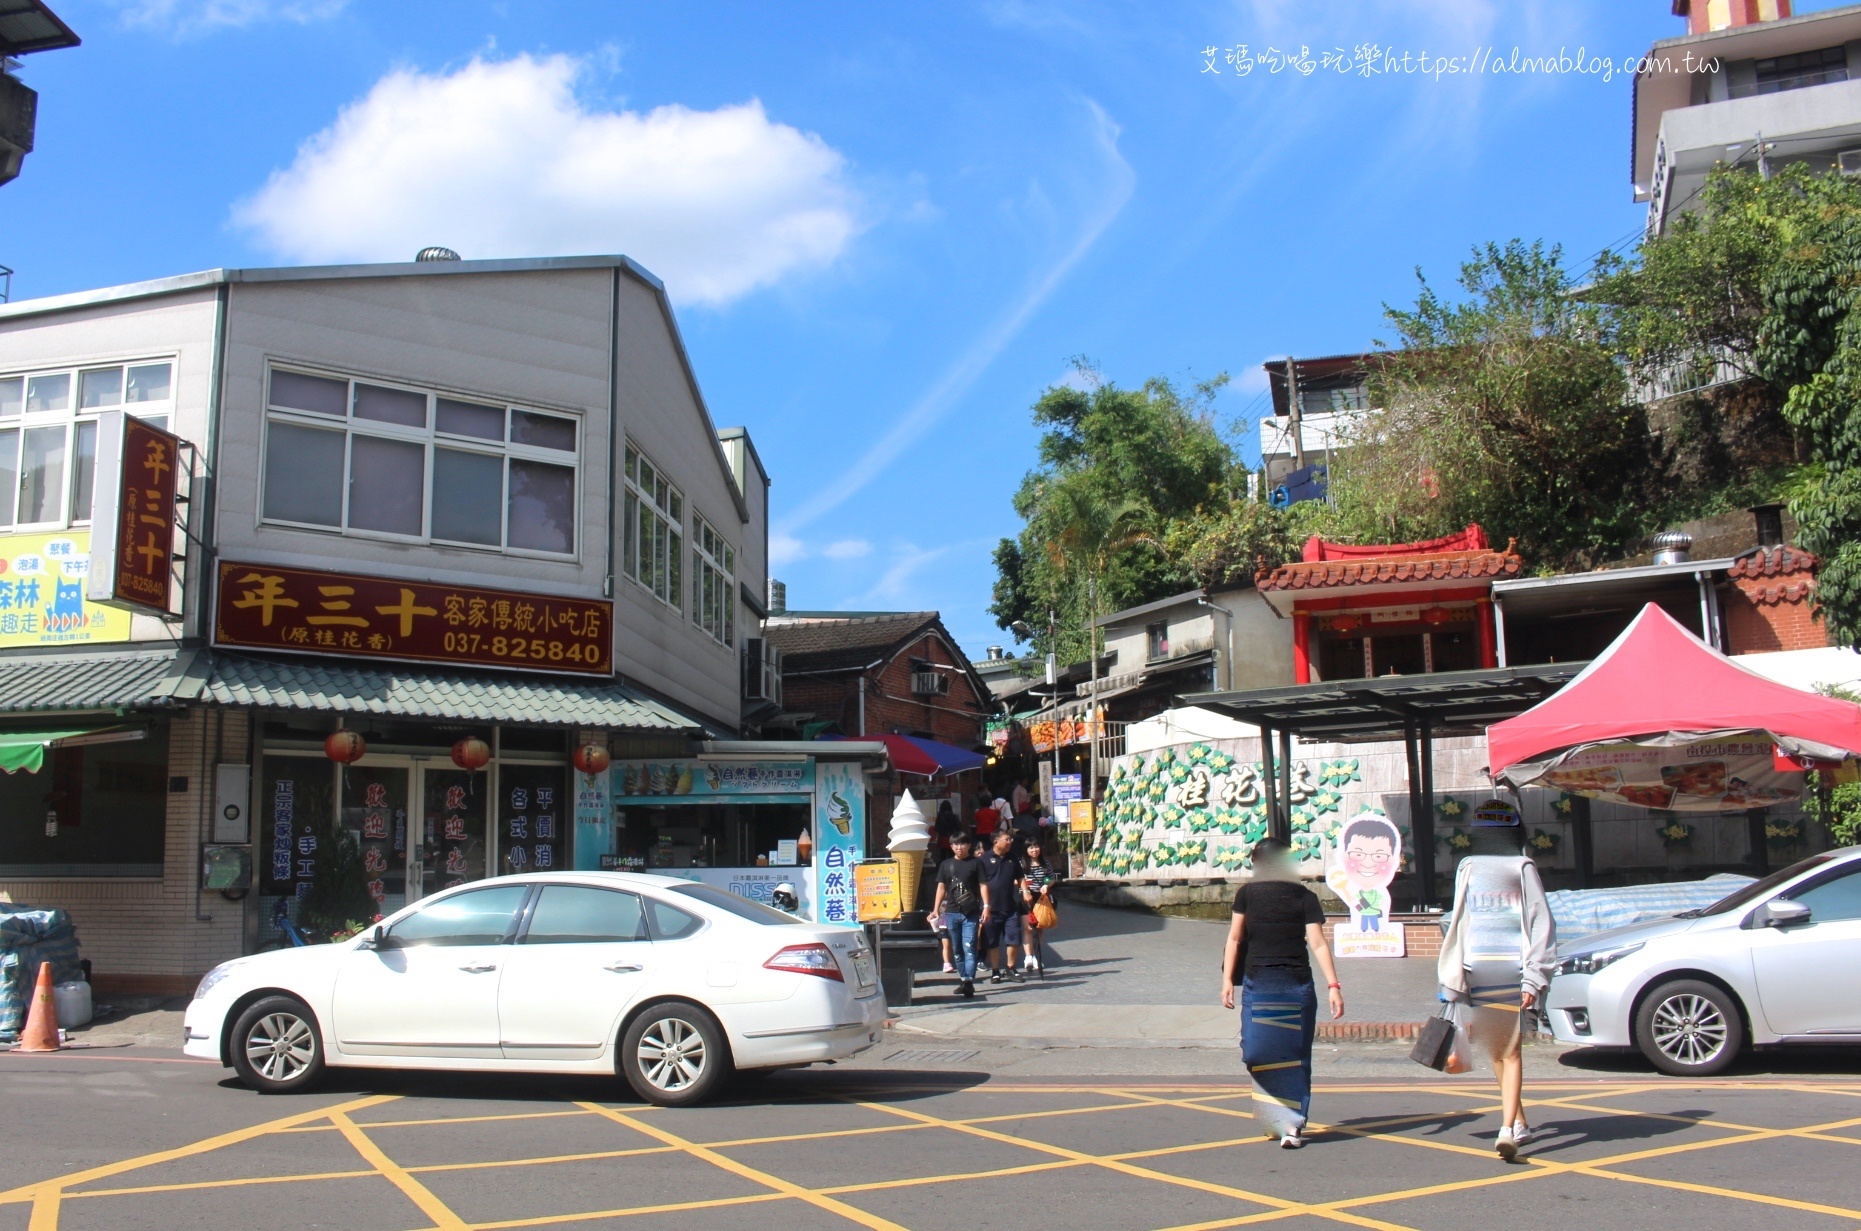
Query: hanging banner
x=839, y=839
x=1676, y=773
x=308, y=611
x=1368, y=853
x=133, y=515
x=42, y=593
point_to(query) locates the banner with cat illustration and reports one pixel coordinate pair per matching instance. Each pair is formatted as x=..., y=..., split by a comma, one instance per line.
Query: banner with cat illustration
x=42, y=593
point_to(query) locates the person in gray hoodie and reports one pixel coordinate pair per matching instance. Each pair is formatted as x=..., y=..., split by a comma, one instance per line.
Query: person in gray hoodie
x=1495, y=964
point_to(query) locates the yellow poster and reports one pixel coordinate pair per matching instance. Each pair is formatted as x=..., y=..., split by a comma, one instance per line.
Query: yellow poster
x=42, y=593
x=875, y=886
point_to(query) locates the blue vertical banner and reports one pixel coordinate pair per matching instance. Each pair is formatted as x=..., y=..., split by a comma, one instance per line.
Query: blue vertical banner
x=594, y=823
x=839, y=838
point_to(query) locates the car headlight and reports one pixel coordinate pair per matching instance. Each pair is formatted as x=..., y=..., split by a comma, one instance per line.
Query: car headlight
x=1592, y=962
x=212, y=978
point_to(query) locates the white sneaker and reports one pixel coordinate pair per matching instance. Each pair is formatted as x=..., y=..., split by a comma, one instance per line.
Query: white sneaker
x=1291, y=1141
x=1523, y=1134
x=1028, y=963
x=1507, y=1145
x=948, y=969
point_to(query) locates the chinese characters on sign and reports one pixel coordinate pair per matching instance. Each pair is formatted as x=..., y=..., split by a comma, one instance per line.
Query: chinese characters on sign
x=296, y=802
x=531, y=818
x=132, y=545
x=839, y=841
x=310, y=611
x=42, y=593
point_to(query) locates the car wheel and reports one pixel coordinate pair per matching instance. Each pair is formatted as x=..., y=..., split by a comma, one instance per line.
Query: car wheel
x=276, y=1046
x=1689, y=1028
x=674, y=1055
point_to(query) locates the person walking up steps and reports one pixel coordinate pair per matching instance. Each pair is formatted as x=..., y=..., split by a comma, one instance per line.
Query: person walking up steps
x=959, y=902
x=1277, y=921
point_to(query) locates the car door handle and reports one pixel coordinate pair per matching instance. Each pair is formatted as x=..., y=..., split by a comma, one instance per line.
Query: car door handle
x=622, y=968
x=479, y=968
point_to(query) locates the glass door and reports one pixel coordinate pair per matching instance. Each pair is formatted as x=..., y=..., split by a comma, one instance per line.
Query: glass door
x=374, y=810
x=450, y=849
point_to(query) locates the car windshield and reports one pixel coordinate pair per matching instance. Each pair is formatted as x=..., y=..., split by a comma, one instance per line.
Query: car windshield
x=741, y=907
x=1756, y=889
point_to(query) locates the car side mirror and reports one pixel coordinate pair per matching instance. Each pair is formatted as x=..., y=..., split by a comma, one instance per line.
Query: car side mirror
x=378, y=939
x=1780, y=913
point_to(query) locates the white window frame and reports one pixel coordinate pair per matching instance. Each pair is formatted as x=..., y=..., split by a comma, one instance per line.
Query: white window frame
x=713, y=562
x=668, y=511
x=431, y=439
x=71, y=417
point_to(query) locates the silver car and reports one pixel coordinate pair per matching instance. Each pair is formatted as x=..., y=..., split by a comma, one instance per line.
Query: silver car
x=1778, y=961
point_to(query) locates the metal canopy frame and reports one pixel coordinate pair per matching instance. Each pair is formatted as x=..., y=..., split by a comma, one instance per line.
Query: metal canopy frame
x=1415, y=708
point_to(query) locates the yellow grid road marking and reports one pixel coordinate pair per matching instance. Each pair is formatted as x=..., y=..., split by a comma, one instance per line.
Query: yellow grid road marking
x=416, y=1192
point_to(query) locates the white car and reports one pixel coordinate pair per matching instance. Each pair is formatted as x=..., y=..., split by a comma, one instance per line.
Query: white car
x=1777, y=961
x=673, y=984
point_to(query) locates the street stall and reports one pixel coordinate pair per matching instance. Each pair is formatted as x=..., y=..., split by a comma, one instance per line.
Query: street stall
x=1664, y=721
x=745, y=816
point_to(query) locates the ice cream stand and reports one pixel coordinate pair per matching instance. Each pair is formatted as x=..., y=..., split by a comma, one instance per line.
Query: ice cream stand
x=743, y=815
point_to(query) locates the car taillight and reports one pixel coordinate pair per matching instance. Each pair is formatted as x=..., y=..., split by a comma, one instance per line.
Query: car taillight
x=815, y=959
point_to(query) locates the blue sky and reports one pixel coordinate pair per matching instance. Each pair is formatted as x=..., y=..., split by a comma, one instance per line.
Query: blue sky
x=887, y=227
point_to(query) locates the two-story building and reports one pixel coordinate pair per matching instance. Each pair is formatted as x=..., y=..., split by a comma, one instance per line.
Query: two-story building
x=469, y=521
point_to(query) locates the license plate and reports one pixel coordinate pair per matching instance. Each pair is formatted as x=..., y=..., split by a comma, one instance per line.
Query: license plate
x=862, y=968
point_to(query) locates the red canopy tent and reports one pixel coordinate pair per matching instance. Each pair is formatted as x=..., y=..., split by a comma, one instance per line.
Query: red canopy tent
x=1662, y=719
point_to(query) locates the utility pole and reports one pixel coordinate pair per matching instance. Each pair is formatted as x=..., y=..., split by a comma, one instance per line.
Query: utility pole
x=1294, y=413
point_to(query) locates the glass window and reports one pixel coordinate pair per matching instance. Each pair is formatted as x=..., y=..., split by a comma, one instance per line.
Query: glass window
x=542, y=506
x=149, y=382
x=383, y=405
x=112, y=806
x=1759, y=888
x=12, y=396
x=474, y=917
x=741, y=907
x=669, y=922
x=387, y=484
x=580, y=915
x=303, y=475
x=42, y=474
x=516, y=495
x=713, y=582
x=1157, y=639
x=1833, y=900
x=467, y=497
x=45, y=393
x=1806, y=68
x=100, y=387
x=654, y=548
x=9, y=473
x=317, y=394
x=470, y=419
x=83, y=467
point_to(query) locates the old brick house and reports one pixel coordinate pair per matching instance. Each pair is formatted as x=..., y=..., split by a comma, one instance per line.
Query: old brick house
x=879, y=673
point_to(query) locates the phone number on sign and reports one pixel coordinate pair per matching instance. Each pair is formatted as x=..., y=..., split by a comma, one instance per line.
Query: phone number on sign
x=529, y=649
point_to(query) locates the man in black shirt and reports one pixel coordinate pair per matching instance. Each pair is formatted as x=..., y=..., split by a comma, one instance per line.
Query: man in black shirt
x=1001, y=876
x=961, y=902
x=1276, y=923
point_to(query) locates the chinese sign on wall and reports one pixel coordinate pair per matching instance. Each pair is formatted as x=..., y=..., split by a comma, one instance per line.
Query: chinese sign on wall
x=42, y=593
x=784, y=780
x=134, y=515
x=839, y=839
x=452, y=848
x=310, y=611
x=374, y=808
x=1194, y=810
x=297, y=798
x=532, y=818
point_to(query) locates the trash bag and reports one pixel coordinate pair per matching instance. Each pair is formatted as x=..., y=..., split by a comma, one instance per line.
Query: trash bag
x=28, y=939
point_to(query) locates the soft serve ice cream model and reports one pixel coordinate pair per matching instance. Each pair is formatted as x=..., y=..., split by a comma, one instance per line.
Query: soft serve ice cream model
x=909, y=839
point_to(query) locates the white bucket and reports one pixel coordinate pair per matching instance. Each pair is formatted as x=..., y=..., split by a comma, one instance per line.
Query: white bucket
x=72, y=1002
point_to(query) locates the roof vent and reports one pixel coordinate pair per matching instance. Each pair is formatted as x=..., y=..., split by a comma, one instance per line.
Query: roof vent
x=996, y=653
x=1671, y=547
x=436, y=253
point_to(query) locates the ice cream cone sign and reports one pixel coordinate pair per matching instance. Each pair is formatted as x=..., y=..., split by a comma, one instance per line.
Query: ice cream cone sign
x=840, y=814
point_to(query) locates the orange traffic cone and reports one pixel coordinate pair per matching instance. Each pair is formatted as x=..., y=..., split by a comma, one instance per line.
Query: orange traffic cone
x=41, y=1032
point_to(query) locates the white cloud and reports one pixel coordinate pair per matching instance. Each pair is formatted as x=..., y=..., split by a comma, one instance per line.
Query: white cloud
x=185, y=17
x=501, y=159
x=785, y=549
x=847, y=549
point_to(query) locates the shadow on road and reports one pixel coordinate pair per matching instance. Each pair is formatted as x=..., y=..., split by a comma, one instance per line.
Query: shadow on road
x=1776, y=1061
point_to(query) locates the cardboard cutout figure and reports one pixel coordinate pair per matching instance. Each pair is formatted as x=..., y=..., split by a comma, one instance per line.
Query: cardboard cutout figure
x=1369, y=853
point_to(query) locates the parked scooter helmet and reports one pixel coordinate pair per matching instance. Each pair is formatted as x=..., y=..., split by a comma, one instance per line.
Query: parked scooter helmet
x=783, y=896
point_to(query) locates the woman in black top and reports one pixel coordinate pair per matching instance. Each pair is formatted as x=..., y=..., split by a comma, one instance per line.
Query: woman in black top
x=1277, y=921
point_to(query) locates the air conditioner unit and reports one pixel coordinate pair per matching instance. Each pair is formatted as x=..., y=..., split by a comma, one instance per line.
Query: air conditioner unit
x=930, y=684
x=1848, y=162
x=762, y=671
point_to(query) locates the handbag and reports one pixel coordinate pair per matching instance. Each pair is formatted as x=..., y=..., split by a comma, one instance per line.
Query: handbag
x=1434, y=1044
x=1043, y=914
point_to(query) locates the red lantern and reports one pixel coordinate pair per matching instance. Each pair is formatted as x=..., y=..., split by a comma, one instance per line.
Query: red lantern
x=591, y=758
x=471, y=753
x=344, y=747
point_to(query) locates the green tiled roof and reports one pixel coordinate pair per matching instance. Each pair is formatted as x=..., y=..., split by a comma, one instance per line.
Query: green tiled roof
x=91, y=681
x=416, y=692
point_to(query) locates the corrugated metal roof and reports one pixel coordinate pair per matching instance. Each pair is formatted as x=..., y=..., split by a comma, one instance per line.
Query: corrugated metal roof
x=413, y=692
x=77, y=683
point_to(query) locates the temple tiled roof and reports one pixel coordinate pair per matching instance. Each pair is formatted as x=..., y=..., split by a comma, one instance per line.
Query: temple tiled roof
x=1379, y=570
x=1773, y=562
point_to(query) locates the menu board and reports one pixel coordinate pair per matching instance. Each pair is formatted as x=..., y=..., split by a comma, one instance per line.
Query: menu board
x=296, y=799
x=532, y=825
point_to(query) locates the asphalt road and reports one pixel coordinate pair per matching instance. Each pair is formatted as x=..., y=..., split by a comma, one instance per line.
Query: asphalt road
x=144, y=1138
